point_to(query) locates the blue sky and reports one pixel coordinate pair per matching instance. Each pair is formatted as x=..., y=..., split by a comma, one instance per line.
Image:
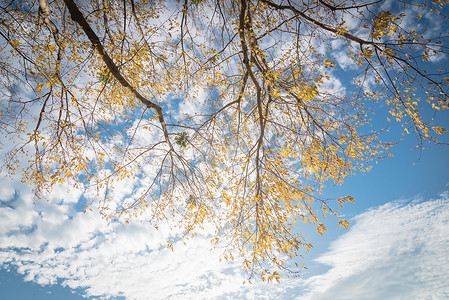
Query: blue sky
x=395, y=248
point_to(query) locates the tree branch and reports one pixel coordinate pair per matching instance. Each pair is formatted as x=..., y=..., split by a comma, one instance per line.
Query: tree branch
x=78, y=17
x=319, y=24
x=334, y=8
x=44, y=13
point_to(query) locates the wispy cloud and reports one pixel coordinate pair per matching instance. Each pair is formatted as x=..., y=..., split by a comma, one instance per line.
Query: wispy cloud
x=51, y=241
x=397, y=251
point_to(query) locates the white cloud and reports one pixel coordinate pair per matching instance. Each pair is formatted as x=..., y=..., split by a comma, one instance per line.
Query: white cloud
x=51, y=241
x=397, y=251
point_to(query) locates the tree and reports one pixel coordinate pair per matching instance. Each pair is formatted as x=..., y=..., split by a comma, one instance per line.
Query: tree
x=222, y=112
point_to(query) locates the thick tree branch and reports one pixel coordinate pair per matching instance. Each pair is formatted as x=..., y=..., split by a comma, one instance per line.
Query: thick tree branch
x=78, y=17
x=244, y=24
x=334, y=8
x=106, y=21
x=44, y=13
x=319, y=24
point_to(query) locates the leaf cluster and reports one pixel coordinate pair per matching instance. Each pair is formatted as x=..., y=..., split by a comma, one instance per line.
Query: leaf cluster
x=258, y=90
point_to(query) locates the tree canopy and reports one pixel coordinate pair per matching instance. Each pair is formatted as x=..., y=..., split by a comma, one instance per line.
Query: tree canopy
x=234, y=113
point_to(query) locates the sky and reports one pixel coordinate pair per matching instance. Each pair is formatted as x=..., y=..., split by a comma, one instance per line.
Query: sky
x=395, y=246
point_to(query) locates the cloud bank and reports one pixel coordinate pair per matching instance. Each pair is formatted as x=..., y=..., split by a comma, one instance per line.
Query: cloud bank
x=51, y=242
x=396, y=251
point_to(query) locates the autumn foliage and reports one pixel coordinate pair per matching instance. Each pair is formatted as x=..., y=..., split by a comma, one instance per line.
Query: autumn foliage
x=216, y=112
